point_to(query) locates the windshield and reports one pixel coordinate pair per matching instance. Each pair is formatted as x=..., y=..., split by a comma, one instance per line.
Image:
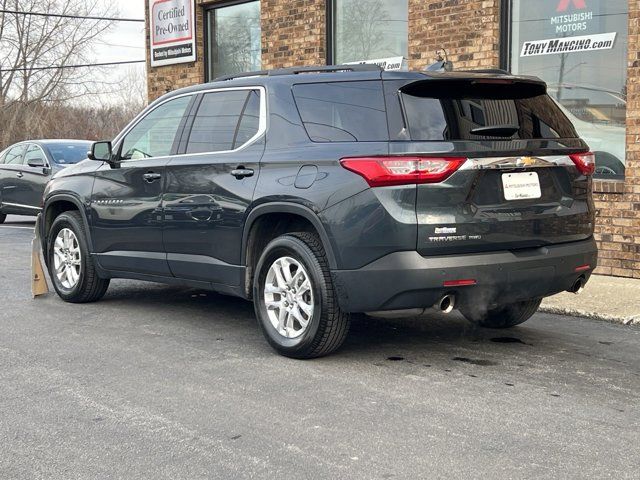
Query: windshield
x=68, y=153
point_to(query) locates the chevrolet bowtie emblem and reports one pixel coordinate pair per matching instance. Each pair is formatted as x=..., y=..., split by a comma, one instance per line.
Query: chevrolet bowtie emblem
x=526, y=161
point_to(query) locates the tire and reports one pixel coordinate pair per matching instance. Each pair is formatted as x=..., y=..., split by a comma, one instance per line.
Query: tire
x=327, y=326
x=3, y=217
x=608, y=165
x=505, y=316
x=88, y=287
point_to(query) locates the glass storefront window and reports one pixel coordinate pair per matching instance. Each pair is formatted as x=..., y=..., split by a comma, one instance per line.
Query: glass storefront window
x=579, y=47
x=233, y=39
x=370, y=29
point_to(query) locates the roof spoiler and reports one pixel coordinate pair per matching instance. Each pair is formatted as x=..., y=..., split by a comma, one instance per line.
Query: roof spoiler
x=485, y=87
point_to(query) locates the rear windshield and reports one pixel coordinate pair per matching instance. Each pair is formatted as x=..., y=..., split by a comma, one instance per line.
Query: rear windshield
x=462, y=117
x=343, y=111
x=66, y=154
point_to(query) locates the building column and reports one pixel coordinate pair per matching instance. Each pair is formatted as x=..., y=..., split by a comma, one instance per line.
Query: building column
x=294, y=33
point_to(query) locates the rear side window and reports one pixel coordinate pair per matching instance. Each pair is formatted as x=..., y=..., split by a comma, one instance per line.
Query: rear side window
x=343, y=111
x=469, y=118
x=225, y=121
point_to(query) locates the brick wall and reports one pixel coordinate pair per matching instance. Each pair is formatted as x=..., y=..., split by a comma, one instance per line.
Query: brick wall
x=293, y=33
x=469, y=30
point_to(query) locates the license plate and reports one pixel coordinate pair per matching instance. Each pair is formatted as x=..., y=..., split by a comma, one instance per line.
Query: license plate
x=521, y=186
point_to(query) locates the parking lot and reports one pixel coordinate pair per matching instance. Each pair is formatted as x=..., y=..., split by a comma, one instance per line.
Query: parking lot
x=162, y=382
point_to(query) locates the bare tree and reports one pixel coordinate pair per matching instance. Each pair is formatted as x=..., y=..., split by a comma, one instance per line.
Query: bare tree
x=362, y=31
x=236, y=51
x=36, y=102
x=132, y=89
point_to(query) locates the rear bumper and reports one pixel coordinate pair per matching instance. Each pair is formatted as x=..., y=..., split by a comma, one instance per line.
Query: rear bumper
x=405, y=280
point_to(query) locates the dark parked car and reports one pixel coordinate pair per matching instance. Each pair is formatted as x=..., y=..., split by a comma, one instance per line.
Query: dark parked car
x=26, y=167
x=318, y=192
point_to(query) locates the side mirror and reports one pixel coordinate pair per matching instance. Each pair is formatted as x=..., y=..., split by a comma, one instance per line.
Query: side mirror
x=101, y=151
x=36, y=163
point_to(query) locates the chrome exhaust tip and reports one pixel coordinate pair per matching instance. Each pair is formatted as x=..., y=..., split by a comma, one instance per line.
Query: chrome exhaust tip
x=578, y=286
x=446, y=304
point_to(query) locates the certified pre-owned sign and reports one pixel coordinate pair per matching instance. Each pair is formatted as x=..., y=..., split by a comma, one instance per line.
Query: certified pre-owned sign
x=173, y=35
x=586, y=43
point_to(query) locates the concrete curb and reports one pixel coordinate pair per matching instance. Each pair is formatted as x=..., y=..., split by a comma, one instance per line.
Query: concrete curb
x=635, y=320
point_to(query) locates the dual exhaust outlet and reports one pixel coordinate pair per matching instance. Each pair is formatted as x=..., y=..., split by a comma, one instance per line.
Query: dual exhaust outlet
x=447, y=303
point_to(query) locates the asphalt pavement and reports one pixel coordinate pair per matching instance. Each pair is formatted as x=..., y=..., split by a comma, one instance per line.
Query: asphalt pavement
x=166, y=382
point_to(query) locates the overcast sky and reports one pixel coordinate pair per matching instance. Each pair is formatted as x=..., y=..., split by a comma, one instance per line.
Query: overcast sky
x=125, y=40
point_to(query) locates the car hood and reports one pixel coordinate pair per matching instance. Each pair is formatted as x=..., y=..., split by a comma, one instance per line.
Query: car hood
x=85, y=166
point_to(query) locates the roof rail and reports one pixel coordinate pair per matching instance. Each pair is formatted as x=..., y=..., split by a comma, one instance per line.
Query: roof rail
x=297, y=70
x=259, y=73
x=359, y=67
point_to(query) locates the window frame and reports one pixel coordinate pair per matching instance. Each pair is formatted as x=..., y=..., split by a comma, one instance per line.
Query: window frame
x=208, y=9
x=505, y=41
x=184, y=130
x=506, y=16
x=331, y=30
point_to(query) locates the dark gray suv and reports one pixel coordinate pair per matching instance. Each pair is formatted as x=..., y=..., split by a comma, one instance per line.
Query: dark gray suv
x=322, y=191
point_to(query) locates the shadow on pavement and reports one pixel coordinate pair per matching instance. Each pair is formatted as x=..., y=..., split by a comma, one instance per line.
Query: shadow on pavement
x=450, y=336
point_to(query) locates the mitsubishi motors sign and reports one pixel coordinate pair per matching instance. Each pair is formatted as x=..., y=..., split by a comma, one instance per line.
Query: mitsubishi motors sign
x=172, y=31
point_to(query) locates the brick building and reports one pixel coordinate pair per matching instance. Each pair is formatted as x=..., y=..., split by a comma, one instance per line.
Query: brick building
x=586, y=50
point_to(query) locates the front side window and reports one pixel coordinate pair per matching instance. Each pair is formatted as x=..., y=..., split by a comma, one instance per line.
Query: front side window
x=153, y=136
x=370, y=29
x=34, y=153
x=580, y=49
x=225, y=121
x=15, y=155
x=233, y=39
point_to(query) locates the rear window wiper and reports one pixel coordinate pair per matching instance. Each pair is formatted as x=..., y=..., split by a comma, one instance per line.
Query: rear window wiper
x=496, y=131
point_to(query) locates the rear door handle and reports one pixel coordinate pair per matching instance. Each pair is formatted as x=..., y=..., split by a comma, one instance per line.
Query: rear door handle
x=151, y=177
x=19, y=174
x=242, y=172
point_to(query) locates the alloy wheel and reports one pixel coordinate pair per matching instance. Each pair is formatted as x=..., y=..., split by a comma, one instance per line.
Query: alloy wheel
x=67, y=258
x=288, y=297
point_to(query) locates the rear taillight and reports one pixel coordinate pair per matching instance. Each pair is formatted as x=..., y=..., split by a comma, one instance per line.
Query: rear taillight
x=387, y=171
x=586, y=162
